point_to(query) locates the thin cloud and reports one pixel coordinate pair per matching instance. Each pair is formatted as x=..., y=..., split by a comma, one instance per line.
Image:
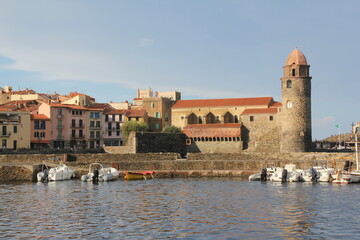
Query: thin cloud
x=145, y=42
x=325, y=121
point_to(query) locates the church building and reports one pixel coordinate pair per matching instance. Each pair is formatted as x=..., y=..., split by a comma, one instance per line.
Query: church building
x=252, y=124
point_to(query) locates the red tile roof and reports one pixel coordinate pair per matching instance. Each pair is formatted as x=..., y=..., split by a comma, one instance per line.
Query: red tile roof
x=115, y=111
x=260, y=111
x=39, y=117
x=213, y=130
x=135, y=113
x=266, y=101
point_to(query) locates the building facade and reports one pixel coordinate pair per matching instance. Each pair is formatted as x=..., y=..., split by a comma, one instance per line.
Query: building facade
x=262, y=124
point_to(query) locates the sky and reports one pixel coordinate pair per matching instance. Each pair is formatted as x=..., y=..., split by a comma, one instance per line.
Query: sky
x=202, y=48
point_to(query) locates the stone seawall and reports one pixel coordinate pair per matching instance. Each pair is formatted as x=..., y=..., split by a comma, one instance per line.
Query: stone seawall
x=25, y=167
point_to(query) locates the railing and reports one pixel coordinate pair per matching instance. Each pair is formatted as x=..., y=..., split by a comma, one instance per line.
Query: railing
x=113, y=129
x=5, y=134
x=77, y=126
x=59, y=137
x=77, y=136
x=94, y=137
x=60, y=116
x=95, y=127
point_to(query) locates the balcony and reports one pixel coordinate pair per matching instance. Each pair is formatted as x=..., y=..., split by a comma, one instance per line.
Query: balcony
x=59, y=116
x=77, y=126
x=77, y=136
x=113, y=129
x=5, y=134
x=95, y=127
x=92, y=137
x=59, y=137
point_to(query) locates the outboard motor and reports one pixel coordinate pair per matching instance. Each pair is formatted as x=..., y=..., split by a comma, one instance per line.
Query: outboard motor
x=45, y=178
x=284, y=176
x=314, y=177
x=96, y=176
x=263, y=176
x=347, y=166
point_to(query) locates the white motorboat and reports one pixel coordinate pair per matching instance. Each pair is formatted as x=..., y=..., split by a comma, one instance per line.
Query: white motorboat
x=104, y=174
x=287, y=174
x=61, y=172
x=265, y=173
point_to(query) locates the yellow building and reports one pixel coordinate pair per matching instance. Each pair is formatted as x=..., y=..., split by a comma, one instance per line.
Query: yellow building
x=15, y=129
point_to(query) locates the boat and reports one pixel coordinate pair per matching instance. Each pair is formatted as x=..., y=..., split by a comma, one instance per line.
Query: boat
x=264, y=175
x=103, y=174
x=139, y=175
x=61, y=172
x=287, y=174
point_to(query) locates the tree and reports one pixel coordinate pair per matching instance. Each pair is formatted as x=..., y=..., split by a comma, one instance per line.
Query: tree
x=133, y=126
x=171, y=129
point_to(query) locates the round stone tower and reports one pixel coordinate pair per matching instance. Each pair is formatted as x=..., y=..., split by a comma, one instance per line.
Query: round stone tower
x=296, y=104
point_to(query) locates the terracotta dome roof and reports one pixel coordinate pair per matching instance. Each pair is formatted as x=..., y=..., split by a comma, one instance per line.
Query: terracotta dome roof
x=296, y=57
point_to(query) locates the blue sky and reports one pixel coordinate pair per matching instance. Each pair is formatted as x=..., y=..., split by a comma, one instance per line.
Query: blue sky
x=203, y=48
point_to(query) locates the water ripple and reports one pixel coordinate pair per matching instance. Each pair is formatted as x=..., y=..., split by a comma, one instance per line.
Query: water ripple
x=214, y=208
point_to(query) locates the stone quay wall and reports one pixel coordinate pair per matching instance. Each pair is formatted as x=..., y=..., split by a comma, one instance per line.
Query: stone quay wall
x=25, y=167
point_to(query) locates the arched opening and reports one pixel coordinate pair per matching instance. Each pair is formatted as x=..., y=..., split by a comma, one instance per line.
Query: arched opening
x=236, y=119
x=228, y=118
x=288, y=83
x=293, y=72
x=210, y=118
x=192, y=119
x=200, y=121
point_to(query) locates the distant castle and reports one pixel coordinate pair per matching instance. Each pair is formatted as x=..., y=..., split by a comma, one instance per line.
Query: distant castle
x=254, y=124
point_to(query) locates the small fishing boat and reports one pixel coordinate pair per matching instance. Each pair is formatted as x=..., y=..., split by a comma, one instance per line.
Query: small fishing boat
x=139, y=175
x=264, y=175
x=287, y=174
x=102, y=174
x=61, y=172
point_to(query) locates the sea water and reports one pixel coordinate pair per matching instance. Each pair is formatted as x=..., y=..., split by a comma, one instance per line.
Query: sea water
x=188, y=208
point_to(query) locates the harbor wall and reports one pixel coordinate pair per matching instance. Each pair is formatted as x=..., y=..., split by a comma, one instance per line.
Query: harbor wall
x=25, y=167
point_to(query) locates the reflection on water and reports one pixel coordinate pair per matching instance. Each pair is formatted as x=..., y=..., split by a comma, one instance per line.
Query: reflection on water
x=213, y=208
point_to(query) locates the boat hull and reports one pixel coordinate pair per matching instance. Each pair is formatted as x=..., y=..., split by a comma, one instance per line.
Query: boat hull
x=139, y=175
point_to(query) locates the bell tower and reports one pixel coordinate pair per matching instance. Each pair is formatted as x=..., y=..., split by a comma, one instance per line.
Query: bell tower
x=296, y=133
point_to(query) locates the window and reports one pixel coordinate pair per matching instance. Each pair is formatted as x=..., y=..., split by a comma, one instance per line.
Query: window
x=157, y=126
x=271, y=118
x=106, y=118
x=288, y=84
x=117, y=133
x=15, y=129
x=236, y=119
x=97, y=134
x=42, y=124
x=293, y=72
x=92, y=124
x=251, y=118
x=109, y=126
x=117, y=126
x=80, y=123
x=72, y=122
x=109, y=133
x=97, y=124
x=113, y=117
x=73, y=133
x=42, y=134
x=59, y=134
x=59, y=111
x=92, y=134
x=73, y=112
x=36, y=134
x=80, y=133
x=152, y=105
x=94, y=115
